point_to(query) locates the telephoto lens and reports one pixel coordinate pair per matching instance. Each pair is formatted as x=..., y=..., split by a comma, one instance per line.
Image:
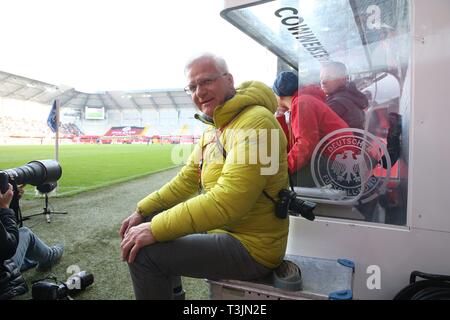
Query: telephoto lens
x=36, y=172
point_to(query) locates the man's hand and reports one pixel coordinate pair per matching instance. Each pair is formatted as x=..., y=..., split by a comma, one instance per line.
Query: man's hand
x=21, y=190
x=5, y=198
x=136, y=238
x=133, y=220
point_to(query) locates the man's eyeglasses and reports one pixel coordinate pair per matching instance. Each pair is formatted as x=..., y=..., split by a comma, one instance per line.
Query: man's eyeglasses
x=190, y=89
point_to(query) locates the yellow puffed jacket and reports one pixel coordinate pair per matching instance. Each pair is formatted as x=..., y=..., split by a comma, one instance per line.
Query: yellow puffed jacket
x=232, y=200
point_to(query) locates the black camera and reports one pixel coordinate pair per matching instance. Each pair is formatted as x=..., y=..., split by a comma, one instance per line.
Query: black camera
x=289, y=203
x=39, y=173
x=46, y=290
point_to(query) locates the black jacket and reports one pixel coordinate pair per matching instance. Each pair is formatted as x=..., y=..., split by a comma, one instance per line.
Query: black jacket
x=349, y=104
x=9, y=234
x=11, y=280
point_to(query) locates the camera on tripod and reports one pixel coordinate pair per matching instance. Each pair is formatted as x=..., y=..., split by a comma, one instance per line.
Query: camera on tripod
x=289, y=203
x=40, y=173
x=46, y=290
x=43, y=174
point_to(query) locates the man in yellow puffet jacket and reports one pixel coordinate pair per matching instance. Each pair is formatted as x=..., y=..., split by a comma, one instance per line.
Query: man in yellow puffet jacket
x=216, y=219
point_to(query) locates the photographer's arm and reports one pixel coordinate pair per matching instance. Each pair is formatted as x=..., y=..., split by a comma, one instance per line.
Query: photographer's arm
x=9, y=233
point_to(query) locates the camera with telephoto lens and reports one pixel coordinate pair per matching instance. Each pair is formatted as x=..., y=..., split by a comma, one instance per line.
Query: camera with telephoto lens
x=46, y=290
x=289, y=203
x=39, y=173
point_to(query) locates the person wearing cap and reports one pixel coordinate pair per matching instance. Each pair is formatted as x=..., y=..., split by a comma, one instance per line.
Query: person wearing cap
x=310, y=120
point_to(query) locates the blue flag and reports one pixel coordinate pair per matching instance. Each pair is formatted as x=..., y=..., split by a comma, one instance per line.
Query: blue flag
x=51, y=120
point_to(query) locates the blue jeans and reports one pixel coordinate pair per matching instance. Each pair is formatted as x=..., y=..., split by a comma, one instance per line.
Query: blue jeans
x=31, y=250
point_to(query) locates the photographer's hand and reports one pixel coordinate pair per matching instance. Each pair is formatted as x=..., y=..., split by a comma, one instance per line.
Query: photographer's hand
x=136, y=238
x=21, y=190
x=5, y=198
x=133, y=220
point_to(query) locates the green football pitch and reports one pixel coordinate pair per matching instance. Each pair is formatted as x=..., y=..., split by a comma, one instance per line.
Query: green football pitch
x=86, y=167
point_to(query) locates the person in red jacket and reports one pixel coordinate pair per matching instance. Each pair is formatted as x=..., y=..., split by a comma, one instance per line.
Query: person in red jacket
x=310, y=120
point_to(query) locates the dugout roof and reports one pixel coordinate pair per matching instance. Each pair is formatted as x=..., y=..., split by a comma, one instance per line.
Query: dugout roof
x=22, y=88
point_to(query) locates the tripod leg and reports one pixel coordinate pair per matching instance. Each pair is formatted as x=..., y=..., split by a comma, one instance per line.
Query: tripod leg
x=46, y=211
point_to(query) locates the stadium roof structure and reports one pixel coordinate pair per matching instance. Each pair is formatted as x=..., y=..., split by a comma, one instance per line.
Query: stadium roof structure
x=22, y=88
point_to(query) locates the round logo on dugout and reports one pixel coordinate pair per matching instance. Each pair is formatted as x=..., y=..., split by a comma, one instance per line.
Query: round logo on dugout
x=346, y=160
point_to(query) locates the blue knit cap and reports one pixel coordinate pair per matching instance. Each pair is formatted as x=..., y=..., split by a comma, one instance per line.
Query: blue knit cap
x=285, y=84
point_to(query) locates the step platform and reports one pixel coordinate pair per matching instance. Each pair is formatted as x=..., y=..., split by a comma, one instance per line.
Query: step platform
x=318, y=279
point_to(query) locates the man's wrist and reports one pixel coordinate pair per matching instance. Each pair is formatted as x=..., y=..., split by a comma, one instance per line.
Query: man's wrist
x=139, y=212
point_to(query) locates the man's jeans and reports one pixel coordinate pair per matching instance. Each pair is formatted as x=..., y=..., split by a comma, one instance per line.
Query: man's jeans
x=31, y=250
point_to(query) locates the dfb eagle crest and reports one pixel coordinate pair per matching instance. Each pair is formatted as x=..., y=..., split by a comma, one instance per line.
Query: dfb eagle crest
x=349, y=167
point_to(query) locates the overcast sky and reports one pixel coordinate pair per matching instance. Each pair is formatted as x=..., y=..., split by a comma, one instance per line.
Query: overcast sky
x=99, y=45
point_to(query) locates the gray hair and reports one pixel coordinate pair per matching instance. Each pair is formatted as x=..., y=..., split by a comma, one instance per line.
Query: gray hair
x=339, y=69
x=219, y=62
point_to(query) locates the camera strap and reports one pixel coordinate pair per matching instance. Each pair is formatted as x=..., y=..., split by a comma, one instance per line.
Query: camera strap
x=291, y=182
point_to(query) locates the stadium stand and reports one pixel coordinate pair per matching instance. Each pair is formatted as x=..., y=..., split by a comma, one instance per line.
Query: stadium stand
x=23, y=127
x=166, y=115
x=151, y=134
x=23, y=131
x=71, y=129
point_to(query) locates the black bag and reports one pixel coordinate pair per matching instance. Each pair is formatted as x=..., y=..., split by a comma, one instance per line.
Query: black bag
x=12, y=282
